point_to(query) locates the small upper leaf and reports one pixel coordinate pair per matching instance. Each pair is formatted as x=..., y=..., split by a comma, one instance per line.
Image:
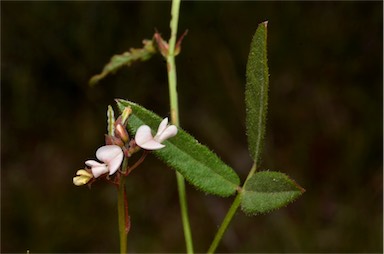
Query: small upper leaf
x=200, y=166
x=256, y=93
x=127, y=58
x=266, y=191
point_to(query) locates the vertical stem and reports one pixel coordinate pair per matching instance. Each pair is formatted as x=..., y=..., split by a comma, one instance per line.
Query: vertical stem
x=172, y=81
x=228, y=217
x=121, y=210
x=184, y=212
x=171, y=65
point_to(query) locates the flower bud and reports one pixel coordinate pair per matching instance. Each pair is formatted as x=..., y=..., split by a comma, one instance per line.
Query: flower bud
x=124, y=116
x=122, y=133
x=112, y=140
x=178, y=43
x=161, y=45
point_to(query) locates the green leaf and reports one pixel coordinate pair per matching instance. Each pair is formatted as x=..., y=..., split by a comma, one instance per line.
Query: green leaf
x=267, y=190
x=256, y=91
x=125, y=59
x=200, y=166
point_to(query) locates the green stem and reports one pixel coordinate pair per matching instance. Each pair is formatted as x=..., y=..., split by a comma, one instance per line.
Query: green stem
x=228, y=217
x=121, y=210
x=172, y=81
x=184, y=212
x=251, y=173
x=224, y=225
x=171, y=65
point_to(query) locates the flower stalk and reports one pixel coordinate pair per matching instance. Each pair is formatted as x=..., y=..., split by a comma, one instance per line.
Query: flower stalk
x=171, y=65
x=174, y=106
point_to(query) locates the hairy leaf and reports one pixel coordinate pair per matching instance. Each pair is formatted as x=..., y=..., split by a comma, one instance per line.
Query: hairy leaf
x=200, y=166
x=256, y=93
x=267, y=190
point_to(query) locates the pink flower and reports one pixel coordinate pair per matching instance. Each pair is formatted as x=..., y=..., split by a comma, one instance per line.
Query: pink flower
x=111, y=155
x=145, y=140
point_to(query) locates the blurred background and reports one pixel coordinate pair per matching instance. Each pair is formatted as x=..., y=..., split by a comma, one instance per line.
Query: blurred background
x=324, y=124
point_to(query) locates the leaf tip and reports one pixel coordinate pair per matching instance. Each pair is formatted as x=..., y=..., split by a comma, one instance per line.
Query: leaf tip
x=299, y=188
x=93, y=81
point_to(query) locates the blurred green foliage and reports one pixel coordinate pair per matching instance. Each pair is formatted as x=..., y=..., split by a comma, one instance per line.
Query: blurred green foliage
x=324, y=125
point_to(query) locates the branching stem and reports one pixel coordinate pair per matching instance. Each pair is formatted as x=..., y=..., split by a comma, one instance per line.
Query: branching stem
x=137, y=163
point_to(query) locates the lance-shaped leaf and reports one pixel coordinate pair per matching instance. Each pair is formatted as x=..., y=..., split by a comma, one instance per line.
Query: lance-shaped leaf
x=125, y=59
x=256, y=93
x=267, y=190
x=200, y=166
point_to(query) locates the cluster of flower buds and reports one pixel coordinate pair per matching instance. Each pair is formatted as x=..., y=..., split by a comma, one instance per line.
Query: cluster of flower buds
x=119, y=146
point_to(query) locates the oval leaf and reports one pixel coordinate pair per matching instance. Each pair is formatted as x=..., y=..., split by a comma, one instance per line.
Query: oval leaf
x=200, y=166
x=266, y=191
x=256, y=91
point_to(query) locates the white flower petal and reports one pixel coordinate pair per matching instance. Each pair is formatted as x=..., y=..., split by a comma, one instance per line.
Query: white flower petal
x=99, y=170
x=152, y=145
x=108, y=153
x=162, y=126
x=92, y=163
x=115, y=163
x=112, y=155
x=143, y=135
x=169, y=132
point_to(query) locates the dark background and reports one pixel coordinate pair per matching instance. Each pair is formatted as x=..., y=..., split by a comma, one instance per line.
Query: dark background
x=324, y=124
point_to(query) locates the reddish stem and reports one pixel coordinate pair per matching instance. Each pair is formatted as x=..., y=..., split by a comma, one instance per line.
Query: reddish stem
x=127, y=217
x=137, y=163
